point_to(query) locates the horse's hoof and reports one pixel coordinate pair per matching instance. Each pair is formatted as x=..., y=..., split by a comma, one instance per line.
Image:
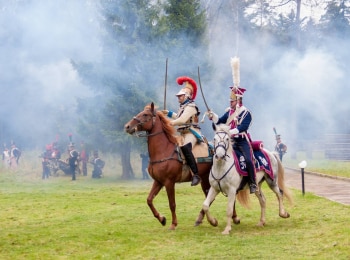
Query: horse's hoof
x=197, y=223
x=261, y=224
x=237, y=221
x=163, y=222
x=285, y=215
x=215, y=223
x=226, y=231
x=172, y=227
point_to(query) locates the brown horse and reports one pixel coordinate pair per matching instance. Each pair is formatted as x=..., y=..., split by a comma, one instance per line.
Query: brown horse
x=166, y=166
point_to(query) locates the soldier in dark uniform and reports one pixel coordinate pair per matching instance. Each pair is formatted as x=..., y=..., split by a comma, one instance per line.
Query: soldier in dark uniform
x=280, y=147
x=239, y=118
x=144, y=165
x=15, y=154
x=46, y=156
x=72, y=160
x=98, y=166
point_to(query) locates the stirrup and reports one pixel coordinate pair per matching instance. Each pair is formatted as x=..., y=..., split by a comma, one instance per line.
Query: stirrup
x=252, y=188
x=195, y=180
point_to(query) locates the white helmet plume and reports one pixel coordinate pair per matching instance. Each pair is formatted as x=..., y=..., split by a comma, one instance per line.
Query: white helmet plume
x=235, y=71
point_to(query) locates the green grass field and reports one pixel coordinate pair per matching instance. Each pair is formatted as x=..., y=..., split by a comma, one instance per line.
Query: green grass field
x=109, y=219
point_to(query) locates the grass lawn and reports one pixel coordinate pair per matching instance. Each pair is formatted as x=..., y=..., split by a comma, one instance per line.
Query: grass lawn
x=109, y=219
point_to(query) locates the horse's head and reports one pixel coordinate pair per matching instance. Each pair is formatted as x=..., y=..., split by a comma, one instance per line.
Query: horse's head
x=222, y=141
x=143, y=121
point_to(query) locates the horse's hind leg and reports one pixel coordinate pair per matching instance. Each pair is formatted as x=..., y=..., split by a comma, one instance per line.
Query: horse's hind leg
x=282, y=212
x=199, y=219
x=235, y=217
x=156, y=187
x=262, y=202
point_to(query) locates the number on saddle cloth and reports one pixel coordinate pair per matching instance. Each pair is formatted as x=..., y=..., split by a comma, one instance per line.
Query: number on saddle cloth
x=262, y=162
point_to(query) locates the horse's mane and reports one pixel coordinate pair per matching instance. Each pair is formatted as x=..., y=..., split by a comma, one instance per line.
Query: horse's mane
x=167, y=127
x=169, y=130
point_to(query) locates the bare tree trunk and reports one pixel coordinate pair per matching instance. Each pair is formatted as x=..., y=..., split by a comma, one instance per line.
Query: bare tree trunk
x=127, y=171
x=298, y=23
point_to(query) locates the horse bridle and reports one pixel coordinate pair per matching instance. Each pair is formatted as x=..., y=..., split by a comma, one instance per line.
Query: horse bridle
x=140, y=123
x=221, y=142
x=225, y=147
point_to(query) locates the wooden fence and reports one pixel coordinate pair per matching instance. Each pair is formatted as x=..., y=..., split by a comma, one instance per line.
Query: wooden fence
x=337, y=146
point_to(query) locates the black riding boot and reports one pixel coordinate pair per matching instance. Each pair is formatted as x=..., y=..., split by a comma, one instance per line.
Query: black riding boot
x=191, y=161
x=251, y=176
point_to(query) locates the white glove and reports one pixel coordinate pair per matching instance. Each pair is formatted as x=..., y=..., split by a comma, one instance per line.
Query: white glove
x=234, y=131
x=212, y=116
x=165, y=112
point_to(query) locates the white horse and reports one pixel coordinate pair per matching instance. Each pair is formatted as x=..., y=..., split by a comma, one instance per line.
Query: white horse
x=224, y=178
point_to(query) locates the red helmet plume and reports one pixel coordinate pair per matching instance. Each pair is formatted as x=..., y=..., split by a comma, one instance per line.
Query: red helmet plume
x=189, y=84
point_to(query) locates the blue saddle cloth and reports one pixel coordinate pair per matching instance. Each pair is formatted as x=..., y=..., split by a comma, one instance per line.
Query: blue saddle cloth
x=262, y=163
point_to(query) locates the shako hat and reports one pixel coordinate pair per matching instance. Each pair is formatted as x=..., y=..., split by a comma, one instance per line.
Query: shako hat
x=190, y=88
x=236, y=92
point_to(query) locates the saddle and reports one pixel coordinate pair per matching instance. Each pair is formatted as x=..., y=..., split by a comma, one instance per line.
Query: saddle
x=203, y=151
x=262, y=160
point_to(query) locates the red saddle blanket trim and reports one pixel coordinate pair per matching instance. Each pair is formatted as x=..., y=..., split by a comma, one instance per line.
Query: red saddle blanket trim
x=262, y=163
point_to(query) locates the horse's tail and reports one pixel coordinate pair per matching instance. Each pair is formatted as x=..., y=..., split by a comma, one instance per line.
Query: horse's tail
x=244, y=198
x=281, y=182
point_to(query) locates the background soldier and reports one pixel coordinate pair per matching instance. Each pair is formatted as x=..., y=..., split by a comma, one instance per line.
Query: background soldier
x=72, y=160
x=280, y=147
x=98, y=166
x=15, y=154
x=144, y=165
x=46, y=156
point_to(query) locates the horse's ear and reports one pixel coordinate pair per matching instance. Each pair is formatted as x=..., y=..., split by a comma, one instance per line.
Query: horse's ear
x=214, y=126
x=152, y=108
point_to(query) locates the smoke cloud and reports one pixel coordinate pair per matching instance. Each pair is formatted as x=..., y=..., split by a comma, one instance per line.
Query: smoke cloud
x=302, y=94
x=38, y=41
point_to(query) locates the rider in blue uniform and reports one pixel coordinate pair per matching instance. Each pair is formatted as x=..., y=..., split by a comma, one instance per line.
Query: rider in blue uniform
x=239, y=118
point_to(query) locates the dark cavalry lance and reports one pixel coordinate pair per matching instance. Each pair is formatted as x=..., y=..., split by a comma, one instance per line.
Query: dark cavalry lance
x=205, y=102
x=165, y=82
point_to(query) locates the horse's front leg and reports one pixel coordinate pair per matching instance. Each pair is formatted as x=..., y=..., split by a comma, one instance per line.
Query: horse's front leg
x=156, y=187
x=170, y=190
x=231, y=198
x=201, y=215
x=206, y=205
x=262, y=201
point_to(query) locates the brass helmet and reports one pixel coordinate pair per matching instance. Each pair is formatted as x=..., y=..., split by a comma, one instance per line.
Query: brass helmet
x=190, y=88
